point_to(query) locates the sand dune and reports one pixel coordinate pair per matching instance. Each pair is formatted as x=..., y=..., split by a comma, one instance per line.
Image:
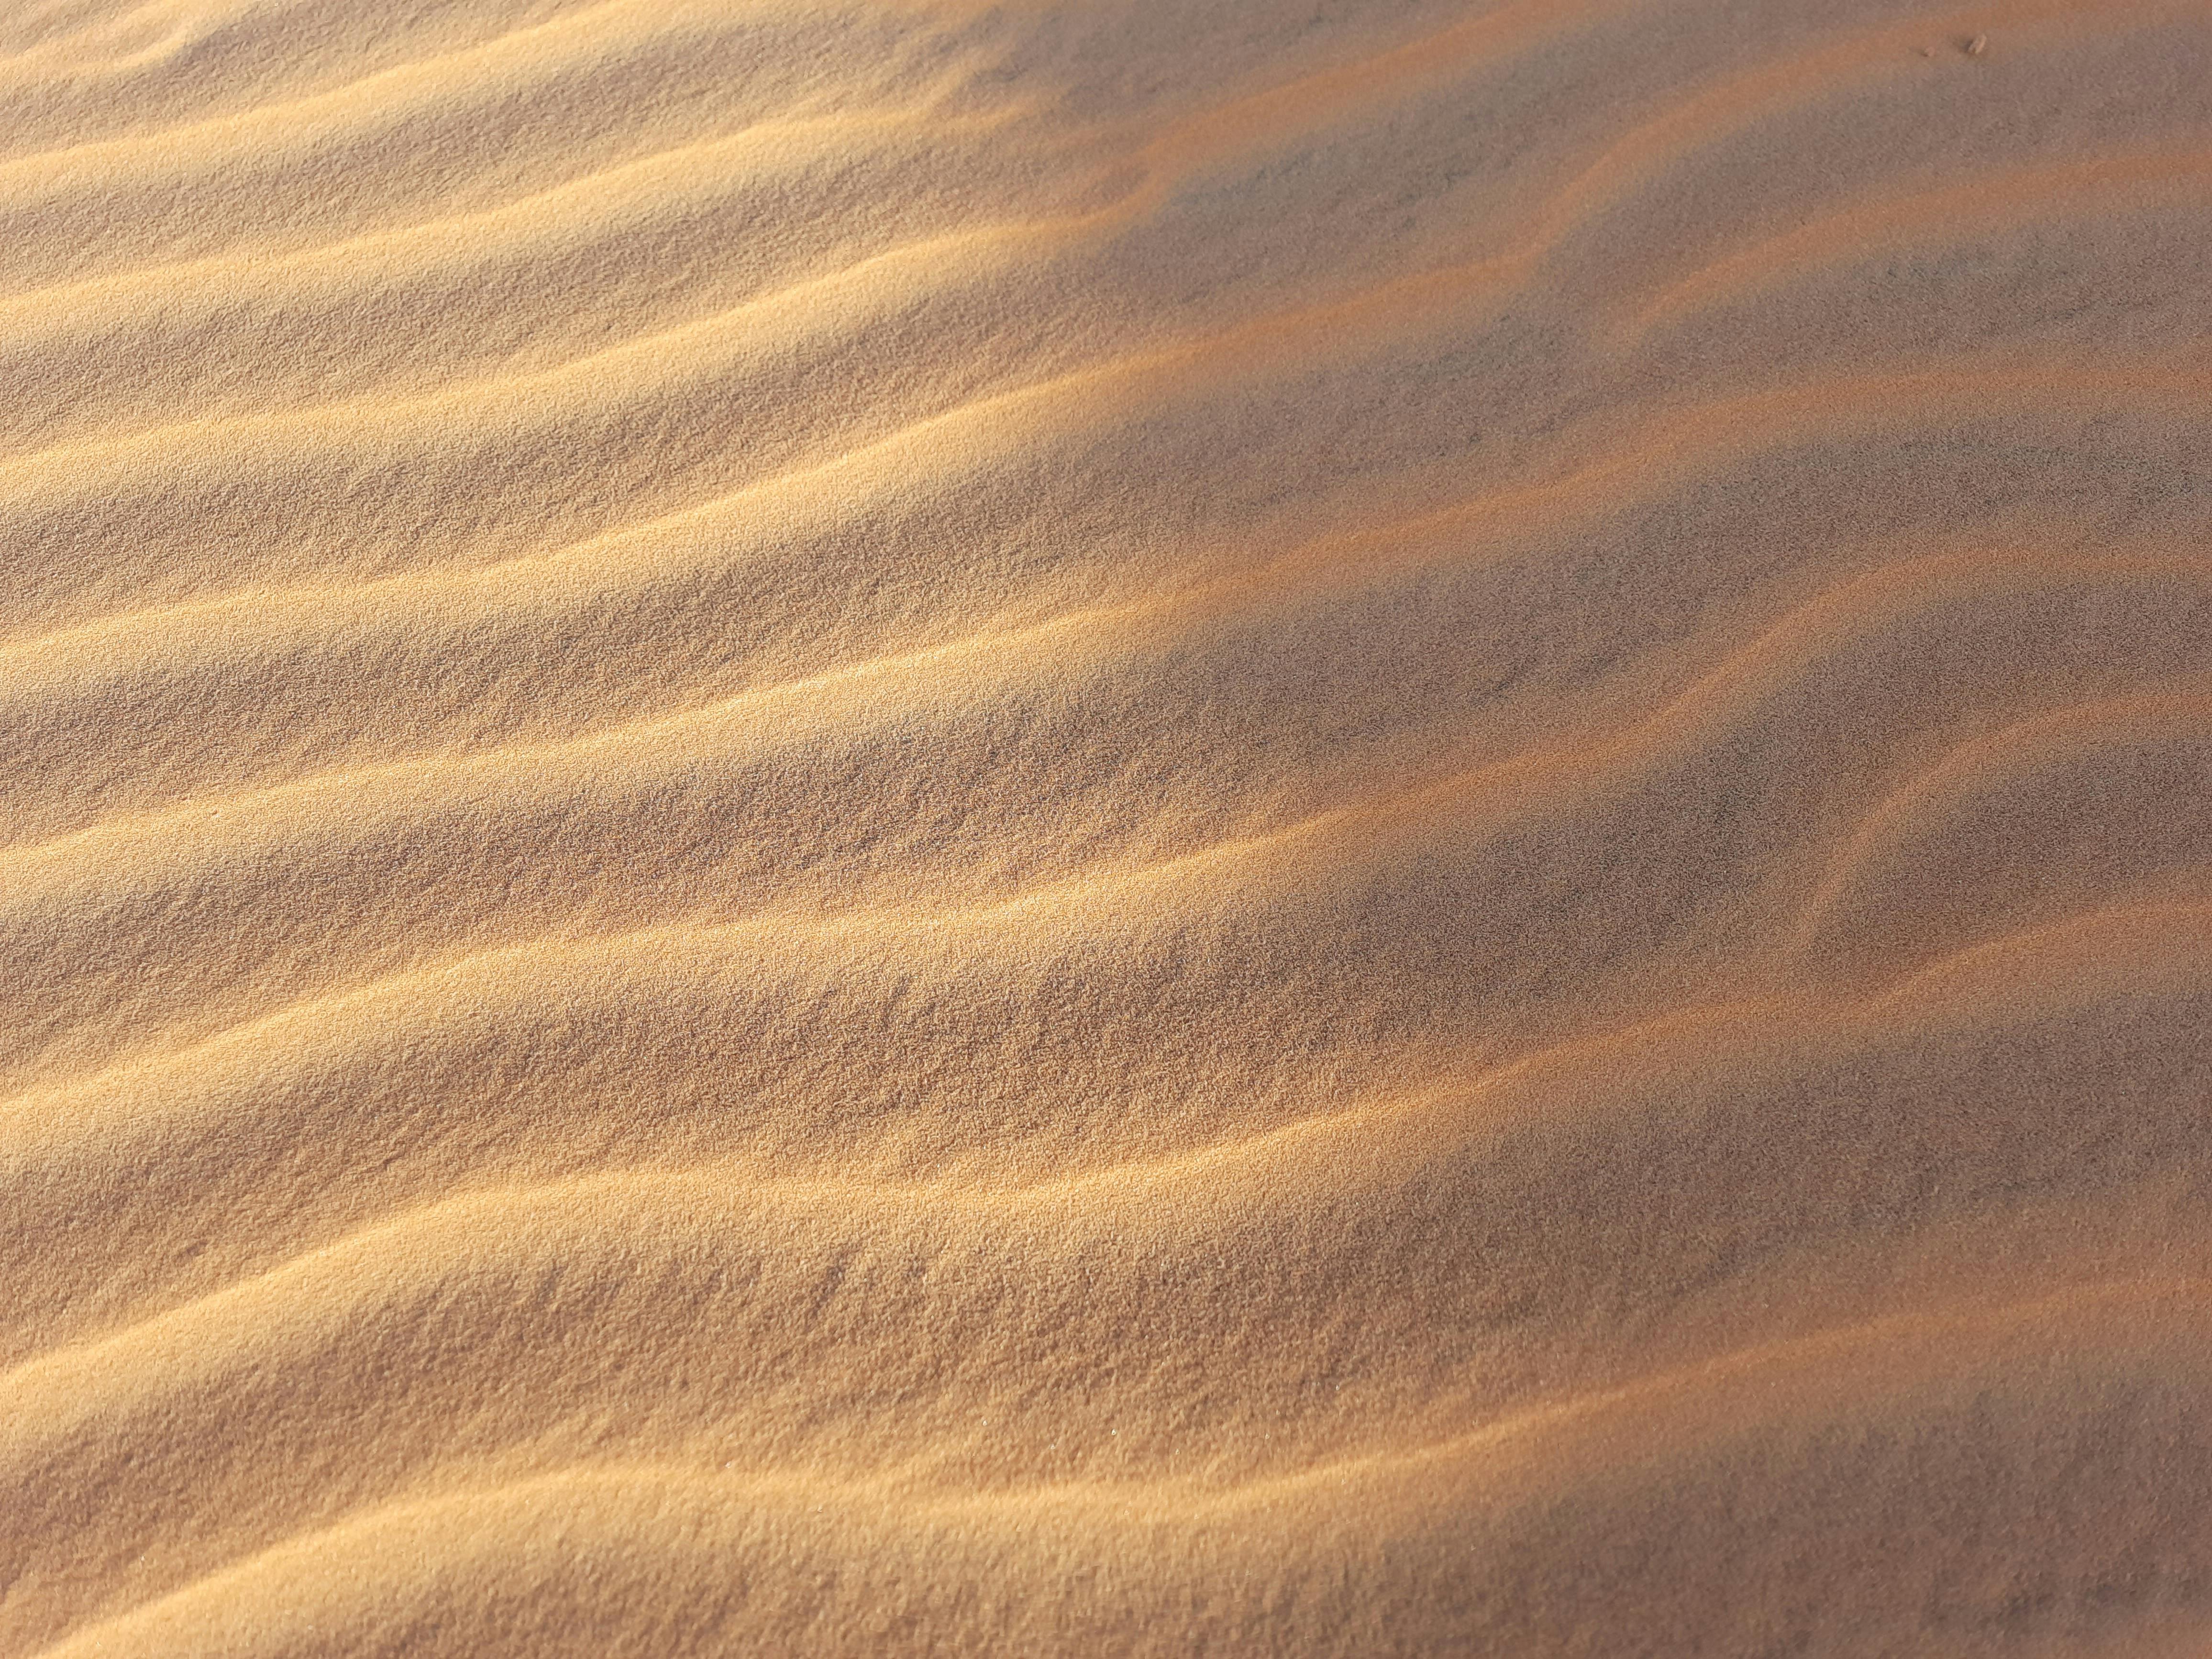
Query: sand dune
x=910, y=827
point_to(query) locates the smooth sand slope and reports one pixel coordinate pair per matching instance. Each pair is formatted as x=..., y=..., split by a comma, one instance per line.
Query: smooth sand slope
x=1243, y=827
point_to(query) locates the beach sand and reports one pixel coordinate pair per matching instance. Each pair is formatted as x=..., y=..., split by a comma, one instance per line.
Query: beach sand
x=1247, y=827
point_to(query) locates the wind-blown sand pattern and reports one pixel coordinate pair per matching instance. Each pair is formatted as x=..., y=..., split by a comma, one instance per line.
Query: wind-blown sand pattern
x=1235, y=828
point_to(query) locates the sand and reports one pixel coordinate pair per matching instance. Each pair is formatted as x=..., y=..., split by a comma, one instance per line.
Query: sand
x=1246, y=827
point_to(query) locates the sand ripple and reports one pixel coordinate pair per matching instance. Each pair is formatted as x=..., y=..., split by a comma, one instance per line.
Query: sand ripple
x=904, y=827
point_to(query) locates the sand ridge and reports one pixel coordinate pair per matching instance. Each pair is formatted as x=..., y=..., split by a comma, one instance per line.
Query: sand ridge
x=888, y=826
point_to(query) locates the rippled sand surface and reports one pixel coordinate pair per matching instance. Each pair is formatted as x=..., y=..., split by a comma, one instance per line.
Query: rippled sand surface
x=1253, y=827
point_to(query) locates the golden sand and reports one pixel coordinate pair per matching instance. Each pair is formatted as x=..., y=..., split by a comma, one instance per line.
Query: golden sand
x=1246, y=827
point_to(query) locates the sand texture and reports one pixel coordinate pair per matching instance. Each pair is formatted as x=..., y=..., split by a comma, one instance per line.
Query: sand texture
x=1168, y=827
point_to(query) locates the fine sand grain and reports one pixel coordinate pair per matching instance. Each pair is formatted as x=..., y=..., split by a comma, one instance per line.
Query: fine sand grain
x=1243, y=827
